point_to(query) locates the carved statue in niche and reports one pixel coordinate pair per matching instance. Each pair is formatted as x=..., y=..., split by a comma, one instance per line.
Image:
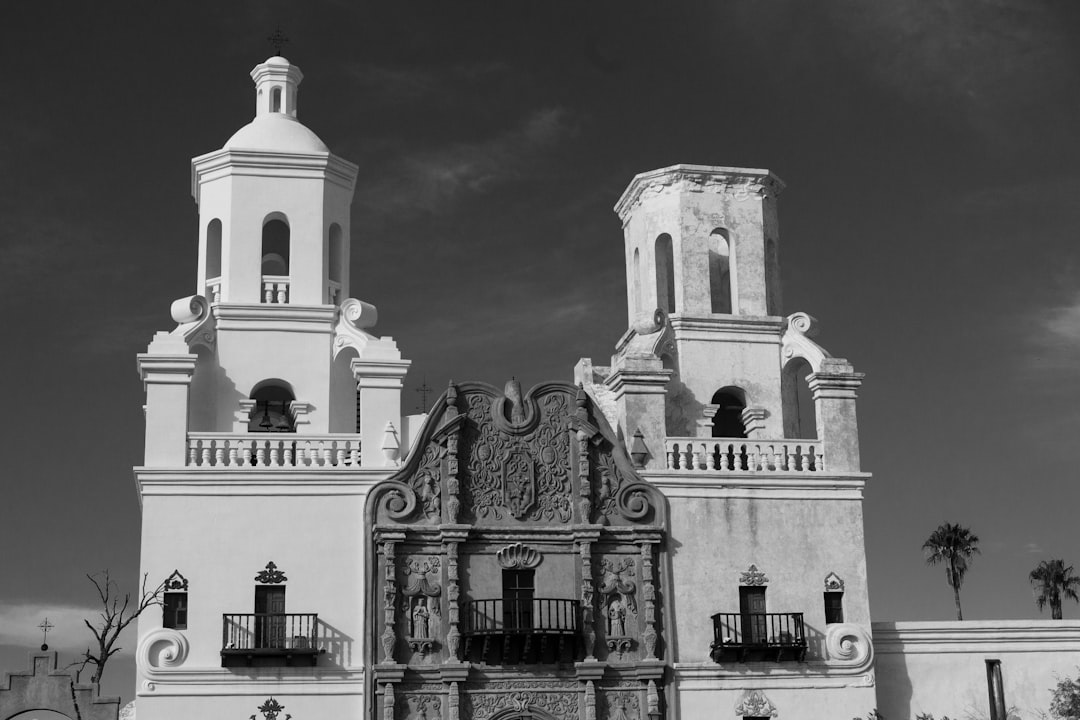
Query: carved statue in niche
x=453, y=505
x=421, y=604
x=420, y=617
x=426, y=482
x=617, y=599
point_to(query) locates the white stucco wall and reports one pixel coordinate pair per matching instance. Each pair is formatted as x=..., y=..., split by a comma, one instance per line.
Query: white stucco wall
x=940, y=667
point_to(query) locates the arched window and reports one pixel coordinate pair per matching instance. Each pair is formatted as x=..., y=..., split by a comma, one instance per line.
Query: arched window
x=772, y=279
x=800, y=420
x=271, y=410
x=720, y=271
x=730, y=403
x=275, y=259
x=636, y=280
x=665, y=274
x=275, y=100
x=213, y=261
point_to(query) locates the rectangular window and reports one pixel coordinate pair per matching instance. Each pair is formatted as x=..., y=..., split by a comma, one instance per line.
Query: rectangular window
x=174, y=606
x=519, y=586
x=834, y=607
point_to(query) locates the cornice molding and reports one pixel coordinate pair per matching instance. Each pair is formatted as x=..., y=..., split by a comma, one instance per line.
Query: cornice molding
x=703, y=484
x=273, y=316
x=265, y=163
x=976, y=636
x=741, y=183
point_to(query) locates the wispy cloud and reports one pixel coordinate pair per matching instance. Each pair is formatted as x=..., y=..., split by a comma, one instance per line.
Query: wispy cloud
x=19, y=626
x=1033, y=548
x=433, y=179
x=380, y=84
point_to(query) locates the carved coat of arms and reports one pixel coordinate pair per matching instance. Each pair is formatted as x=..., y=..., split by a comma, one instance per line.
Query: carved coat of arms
x=519, y=483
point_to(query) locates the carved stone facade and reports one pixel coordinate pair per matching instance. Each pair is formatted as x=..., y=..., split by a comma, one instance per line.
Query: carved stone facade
x=518, y=537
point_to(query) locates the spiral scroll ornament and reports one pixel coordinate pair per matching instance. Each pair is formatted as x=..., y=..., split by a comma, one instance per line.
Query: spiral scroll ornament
x=848, y=644
x=189, y=309
x=804, y=323
x=163, y=648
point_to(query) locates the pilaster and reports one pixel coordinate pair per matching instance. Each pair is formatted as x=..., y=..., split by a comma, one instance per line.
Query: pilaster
x=639, y=385
x=166, y=370
x=378, y=385
x=833, y=389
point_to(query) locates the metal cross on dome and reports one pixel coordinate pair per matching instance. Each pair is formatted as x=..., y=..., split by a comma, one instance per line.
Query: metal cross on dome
x=278, y=40
x=45, y=628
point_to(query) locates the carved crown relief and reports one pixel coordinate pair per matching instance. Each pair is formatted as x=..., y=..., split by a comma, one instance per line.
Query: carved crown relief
x=753, y=576
x=754, y=704
x=271, y=575
x=833, y=583
x=175, y=582
x=518, y=556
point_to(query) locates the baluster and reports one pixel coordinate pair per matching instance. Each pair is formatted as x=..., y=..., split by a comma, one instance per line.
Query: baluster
x=217, y=293
x=206, y=450
x=231, y=455
x=725, y=456
x=819, y=459
x=751, y=457
x=260, y=453
x=354, y=453
x=282, y=293
x=688, y=461
x=289, y=446
x=326, y=453
x=340, y=455
x=669, y=456
x=268, y=292
x=193, y=452
x=778, y=459
x=710, y=456
x=790, y=461
x=275, y=453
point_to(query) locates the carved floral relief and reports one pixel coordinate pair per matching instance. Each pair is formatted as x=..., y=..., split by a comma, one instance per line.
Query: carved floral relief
x=525, y=476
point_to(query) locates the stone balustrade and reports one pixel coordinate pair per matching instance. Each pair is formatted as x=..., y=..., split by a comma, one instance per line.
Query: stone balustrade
x=213, y=290
x=275, y=289
x=273, y=450
x=743, y=455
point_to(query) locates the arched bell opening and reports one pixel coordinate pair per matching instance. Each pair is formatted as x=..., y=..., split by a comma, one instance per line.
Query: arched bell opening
x=800, y=415
x=720, y=272
x=730, y=402
x=275, y=259
x=665, y=273
x=270, y=413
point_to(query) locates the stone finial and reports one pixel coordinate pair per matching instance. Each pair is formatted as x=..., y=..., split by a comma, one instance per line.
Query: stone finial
x=390, y=445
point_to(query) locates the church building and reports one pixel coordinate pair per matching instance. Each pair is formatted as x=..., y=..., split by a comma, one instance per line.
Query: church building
x=674, y=533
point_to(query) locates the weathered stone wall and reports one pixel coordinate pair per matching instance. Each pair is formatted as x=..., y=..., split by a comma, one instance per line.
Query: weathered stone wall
x=44, y=687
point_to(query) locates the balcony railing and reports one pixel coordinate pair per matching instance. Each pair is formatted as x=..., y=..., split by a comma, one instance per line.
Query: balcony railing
x=275, y=289
x=743, y=455
x=757, y=637
x=273, y=450
x=246, y=637
x=540, y=630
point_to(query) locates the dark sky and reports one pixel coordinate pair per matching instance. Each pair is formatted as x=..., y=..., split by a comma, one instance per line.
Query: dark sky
x=930, y=152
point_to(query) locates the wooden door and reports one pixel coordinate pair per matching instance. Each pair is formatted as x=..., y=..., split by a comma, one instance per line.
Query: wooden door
x=752, y=609
x=269, y=616
x=518, y=590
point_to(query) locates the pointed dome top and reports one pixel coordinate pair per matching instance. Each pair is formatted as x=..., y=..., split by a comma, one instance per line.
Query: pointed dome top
x=275, y=126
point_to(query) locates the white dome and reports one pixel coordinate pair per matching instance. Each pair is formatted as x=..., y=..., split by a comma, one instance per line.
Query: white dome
x=276, y=131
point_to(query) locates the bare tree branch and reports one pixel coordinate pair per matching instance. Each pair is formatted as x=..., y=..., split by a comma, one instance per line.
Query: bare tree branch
x=117, y=613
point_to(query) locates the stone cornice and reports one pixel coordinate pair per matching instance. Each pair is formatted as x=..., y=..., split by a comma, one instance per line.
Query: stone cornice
x=703, y=484
x=166, y=369
x=274, y=316
x=212, y=481
x=728, y=328
x=267, y=163
x=638, y=381
x=742, y=183
x=812, y=674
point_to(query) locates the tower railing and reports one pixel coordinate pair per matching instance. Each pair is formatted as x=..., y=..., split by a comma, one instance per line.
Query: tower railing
x=740, y=455
x=275, y=289
x=273, y=450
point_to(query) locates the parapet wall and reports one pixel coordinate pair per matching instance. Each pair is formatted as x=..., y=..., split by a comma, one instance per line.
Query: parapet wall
x=939, y=668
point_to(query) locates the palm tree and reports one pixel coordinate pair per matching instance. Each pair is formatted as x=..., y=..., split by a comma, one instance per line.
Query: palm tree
x=954, y=545
x=1053, y=581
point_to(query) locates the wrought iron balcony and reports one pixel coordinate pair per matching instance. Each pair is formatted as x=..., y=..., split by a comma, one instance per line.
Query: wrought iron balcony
x=268, y=638
x=758, y=637
x=540, y=630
